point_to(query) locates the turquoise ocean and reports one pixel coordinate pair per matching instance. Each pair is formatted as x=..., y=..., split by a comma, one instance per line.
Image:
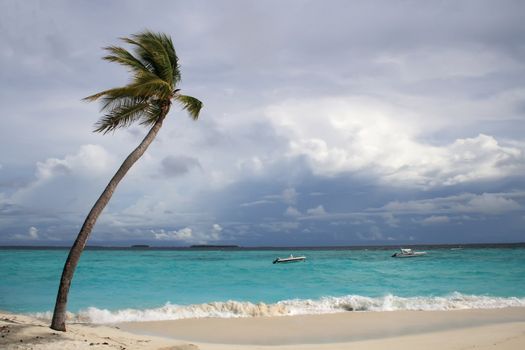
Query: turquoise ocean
x=130, y=285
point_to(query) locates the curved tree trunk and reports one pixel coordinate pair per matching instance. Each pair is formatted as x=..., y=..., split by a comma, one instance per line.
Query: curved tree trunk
x=59, y=315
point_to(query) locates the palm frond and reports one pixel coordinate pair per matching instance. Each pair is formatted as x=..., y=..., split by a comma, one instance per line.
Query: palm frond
x=170, y=49
x=121, y=116
x=145, y=87
x=166, y=42
x=190, y=104
x=125, y=58
x=153, y=53
x=111, y=102
x=152, y=113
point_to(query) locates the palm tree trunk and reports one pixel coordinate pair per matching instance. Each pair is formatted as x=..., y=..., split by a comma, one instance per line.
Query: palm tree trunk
x=59, y=315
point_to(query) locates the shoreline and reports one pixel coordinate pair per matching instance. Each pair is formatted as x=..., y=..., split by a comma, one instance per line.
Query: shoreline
x=325, y=328
x=431, y=330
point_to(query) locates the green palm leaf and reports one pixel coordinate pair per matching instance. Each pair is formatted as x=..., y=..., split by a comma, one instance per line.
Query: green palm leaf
x=152, y=113
x=190, y=104
x=155, y=67
x=122, y=116
x=125, y=58
x=154, y=54
x=164, y=41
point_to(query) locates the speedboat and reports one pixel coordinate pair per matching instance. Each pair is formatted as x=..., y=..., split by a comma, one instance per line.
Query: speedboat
x=289, y=259
x=407, y=253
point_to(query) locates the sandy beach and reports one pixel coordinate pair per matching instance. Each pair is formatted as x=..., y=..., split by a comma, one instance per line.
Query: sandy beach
x=24, y=332
x=460, y=329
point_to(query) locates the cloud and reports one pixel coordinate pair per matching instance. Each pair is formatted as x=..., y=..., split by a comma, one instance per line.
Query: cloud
x=373, y=234
x=317, y=211
x=289, y=195
x=464, y=207
x=292, y=212
x=64, y=183
x=184, y=234
x=362, y=134
x=32, y=234
x=254, y=203
x=173, y=166
x=278, y=226
x=215, y=234
x=485, y=203
x=391, y=220
x=90, y=160
x=435, y=219
x=447, y=62
x=188, y=235
x=479, y=158
x=490, y=203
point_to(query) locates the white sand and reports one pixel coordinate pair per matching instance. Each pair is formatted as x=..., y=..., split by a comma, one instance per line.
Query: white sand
x=510, y=336
x=327, y=328
x=23, y=332
x=428, y=330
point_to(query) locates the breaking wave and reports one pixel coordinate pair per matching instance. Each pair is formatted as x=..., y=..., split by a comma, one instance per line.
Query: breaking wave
x=228, y=309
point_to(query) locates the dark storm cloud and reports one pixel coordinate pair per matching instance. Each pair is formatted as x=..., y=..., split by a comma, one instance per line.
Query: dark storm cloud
x=173, y=166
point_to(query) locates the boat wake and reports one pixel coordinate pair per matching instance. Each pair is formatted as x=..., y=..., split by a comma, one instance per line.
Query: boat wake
x=228, y=309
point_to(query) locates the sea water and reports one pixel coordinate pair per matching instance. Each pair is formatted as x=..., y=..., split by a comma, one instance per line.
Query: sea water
x=127, y=285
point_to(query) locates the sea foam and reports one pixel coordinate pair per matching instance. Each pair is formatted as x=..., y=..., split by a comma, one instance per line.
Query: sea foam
x=229, y=309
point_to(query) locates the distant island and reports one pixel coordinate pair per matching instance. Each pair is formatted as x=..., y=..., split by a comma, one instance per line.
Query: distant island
x=214, y=246
x=140, y=246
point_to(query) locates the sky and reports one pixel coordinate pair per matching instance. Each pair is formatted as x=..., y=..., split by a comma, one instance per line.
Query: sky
x=324, y=123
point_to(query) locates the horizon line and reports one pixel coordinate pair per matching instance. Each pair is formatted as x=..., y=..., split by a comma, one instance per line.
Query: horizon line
x=266, y=247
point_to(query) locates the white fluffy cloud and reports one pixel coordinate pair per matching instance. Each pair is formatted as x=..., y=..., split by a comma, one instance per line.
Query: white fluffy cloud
x=32, y=234
x=292, y=212
x=90, y=160
x=66, y=184
x=188, y=235
x=435, y=219
x=479, y=158
x=184, y=234
x=215, y=233
x=361, y=134
x=317, y=211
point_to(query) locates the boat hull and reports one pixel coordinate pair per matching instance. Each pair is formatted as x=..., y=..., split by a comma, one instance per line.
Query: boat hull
x=413, y=255
x=288, y=260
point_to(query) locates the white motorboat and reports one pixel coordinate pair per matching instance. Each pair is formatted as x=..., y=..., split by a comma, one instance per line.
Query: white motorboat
x=407, y=253
x=289, y=259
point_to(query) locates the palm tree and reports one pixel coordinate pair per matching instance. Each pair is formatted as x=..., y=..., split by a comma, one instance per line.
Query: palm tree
x=146, y=99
